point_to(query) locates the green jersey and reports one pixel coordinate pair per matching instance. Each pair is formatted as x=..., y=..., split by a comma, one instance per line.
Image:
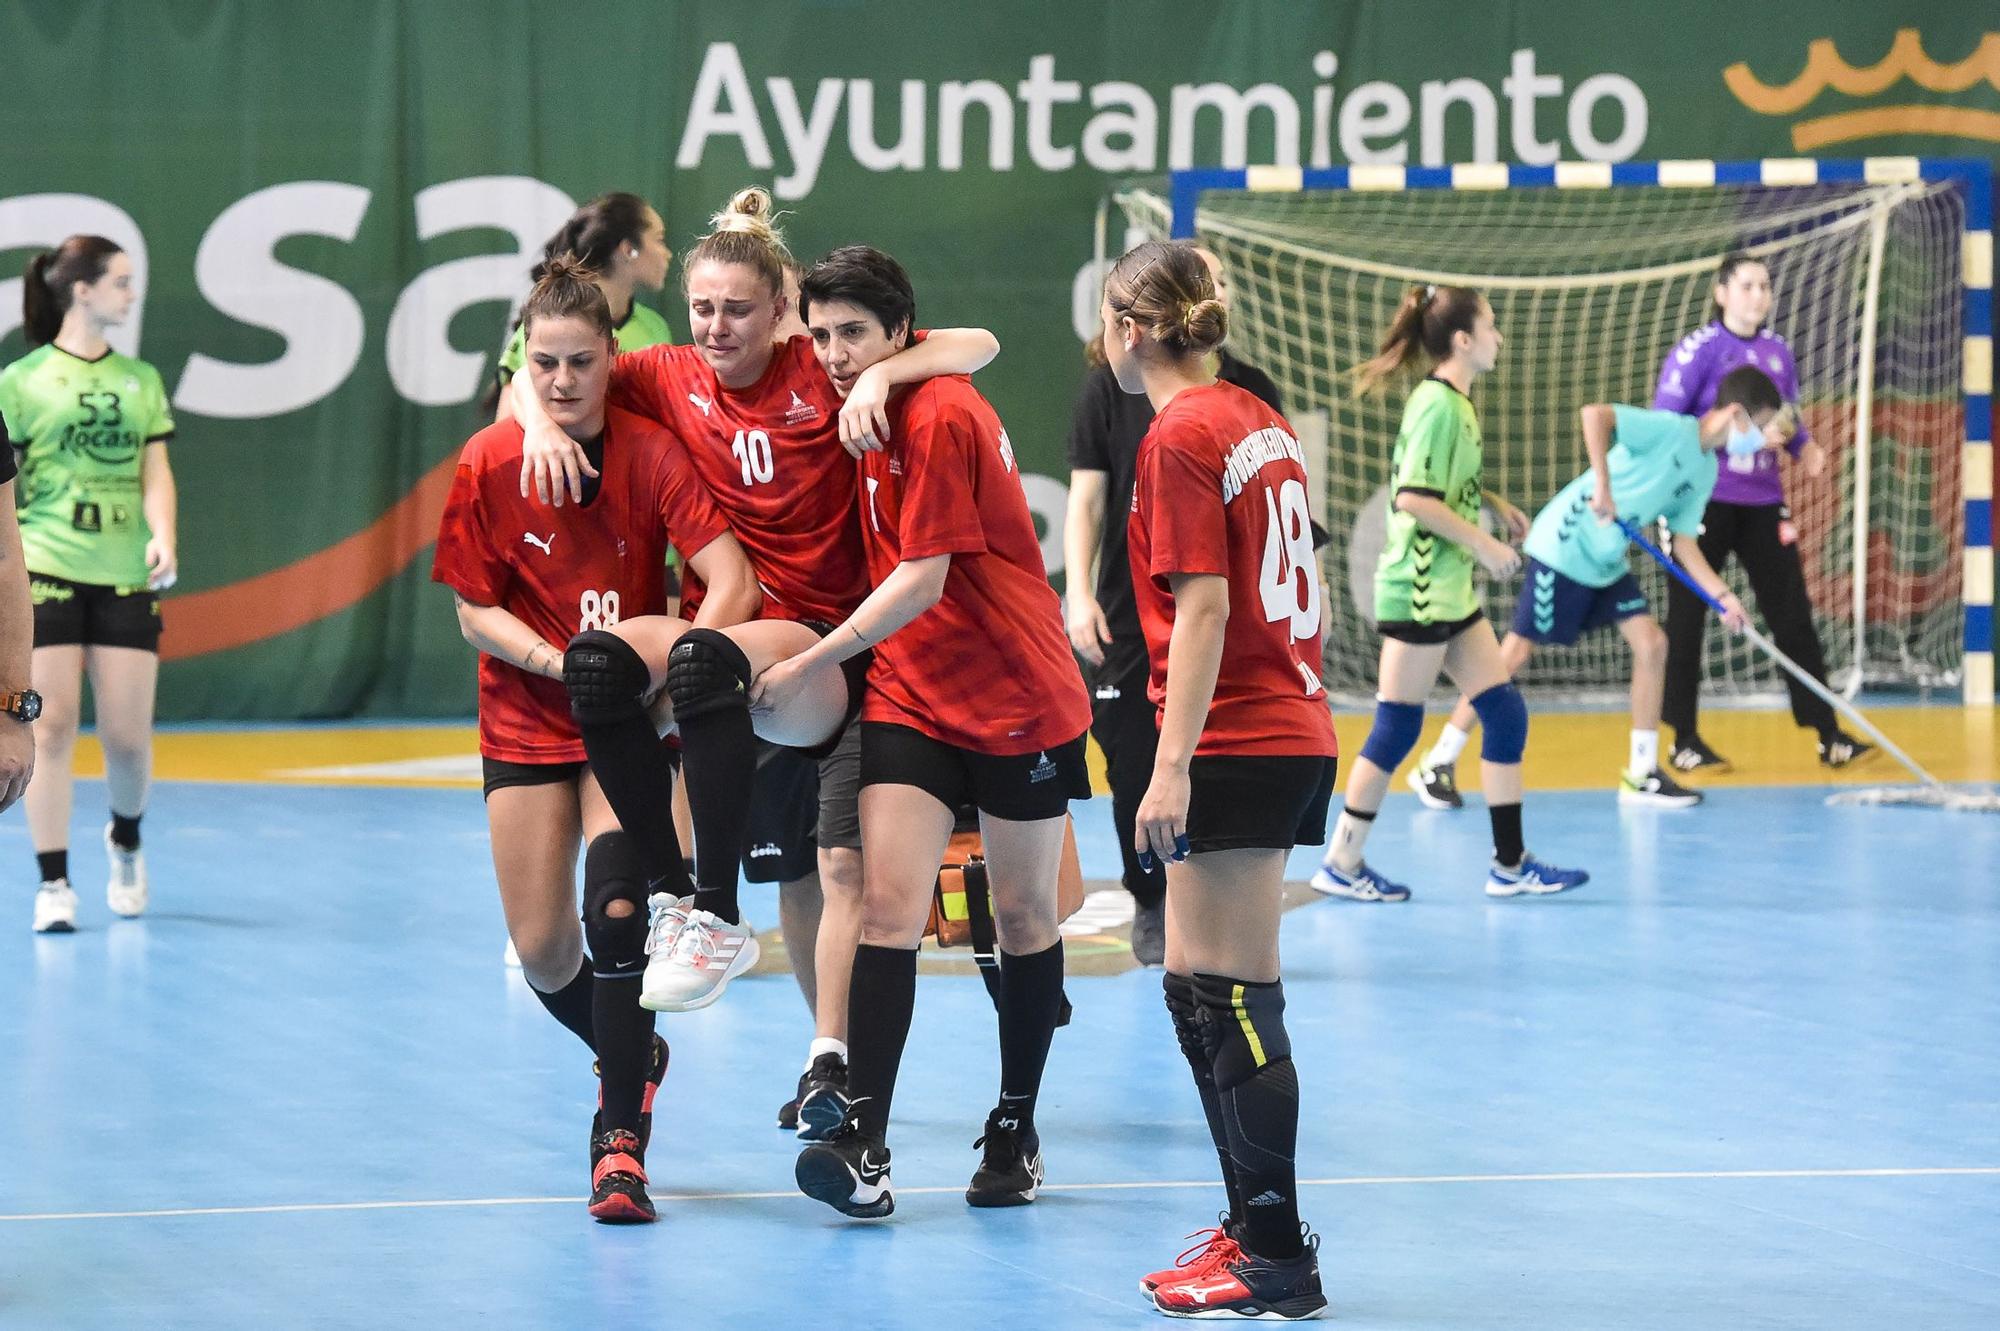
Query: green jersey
x=1421, y=577
x=643, y=327
x=1659, y=471
x=83, y=427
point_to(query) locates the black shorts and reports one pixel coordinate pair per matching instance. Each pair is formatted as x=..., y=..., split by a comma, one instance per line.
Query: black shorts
x=90, y=614
x=1023, y=787
x=780, y=844
x=1258, y=802
x=1427, y=635
x=498, y=773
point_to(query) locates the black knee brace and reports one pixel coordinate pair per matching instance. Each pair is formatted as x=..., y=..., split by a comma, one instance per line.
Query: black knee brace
x=1242, y=1027
x=612, y=872
x=706, y=672
x=1181, y=1006
x=606, y=678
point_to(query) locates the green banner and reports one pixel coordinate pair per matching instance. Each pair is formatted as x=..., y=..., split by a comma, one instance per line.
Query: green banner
x=331, y=209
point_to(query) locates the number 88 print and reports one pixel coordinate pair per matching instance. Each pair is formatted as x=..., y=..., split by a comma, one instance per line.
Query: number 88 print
x=597, y=610
x=1288, y=561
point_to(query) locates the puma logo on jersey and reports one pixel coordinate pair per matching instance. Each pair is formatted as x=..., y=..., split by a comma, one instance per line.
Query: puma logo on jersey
x=702, y=402
x=800, y=411
x=538, y=542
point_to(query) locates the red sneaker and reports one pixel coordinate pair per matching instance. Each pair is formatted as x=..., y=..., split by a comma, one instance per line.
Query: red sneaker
x=1250, y=1286
x=1213, y=1248
x=618, y=1180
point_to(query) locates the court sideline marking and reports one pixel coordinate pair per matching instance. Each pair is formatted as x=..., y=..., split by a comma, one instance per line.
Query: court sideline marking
x=1386, y=1180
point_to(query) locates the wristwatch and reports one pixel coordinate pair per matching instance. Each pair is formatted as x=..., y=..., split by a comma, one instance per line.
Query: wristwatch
x=23, y=706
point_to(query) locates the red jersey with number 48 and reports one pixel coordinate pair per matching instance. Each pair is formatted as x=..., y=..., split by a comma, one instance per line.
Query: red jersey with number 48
x=988, y=668
x=771, y=458
x=563, y=570
x=1221, y=489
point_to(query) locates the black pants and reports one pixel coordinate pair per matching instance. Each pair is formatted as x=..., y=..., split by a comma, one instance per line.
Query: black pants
x=1122, y=720
x=1750, y=532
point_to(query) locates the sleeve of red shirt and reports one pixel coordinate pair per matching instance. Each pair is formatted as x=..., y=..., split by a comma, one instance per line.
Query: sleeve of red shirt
x=466, y=561
x=640, y=382
x=1184, y=497
x=689, y=512
x=940, y=512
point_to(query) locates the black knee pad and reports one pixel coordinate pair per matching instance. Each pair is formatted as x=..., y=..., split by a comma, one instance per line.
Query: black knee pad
x=612, y=872
x=706, y=672
x=1242, y=1027
x=606, y=678
x=1186, y=1013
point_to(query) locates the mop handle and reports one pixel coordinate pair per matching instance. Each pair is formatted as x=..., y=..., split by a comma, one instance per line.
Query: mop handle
x=1765, y=645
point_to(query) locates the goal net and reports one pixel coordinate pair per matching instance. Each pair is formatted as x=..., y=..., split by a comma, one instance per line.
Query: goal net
x=1593, y=288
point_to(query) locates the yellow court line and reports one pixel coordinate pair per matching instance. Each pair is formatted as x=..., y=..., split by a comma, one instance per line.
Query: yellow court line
x=1566, y=751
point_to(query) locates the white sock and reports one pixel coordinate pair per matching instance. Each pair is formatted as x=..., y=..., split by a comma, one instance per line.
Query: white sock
x=1449, y=745
x=1645, y=752
x=825, y=1044
x=1350, y=834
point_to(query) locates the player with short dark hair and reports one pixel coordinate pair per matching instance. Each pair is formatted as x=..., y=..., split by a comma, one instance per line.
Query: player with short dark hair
x=525, y=578
x=98, y=517
x=979, y=703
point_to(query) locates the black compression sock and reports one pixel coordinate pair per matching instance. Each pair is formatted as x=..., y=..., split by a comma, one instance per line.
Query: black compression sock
x=636, y=774
x=570, y=1004
x=1508, y=847
x=624, y=1038
x=1031, y=993
x=125, y=831
x=1187, y=1030
x=1243, y=1029
x=880, y=999
x=719, y=755
x=54, y=864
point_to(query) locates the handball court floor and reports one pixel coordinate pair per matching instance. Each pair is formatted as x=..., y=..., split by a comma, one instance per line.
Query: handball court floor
x=1748, y=1077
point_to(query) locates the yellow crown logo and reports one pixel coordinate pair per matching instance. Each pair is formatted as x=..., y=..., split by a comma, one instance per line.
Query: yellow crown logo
x=1825, y=68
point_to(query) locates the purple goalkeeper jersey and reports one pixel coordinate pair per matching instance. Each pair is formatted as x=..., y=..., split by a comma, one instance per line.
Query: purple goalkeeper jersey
x=1688, y=380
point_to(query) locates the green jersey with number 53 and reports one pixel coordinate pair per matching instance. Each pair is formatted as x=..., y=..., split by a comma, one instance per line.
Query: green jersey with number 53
x=1421, y=577
x=83, y=427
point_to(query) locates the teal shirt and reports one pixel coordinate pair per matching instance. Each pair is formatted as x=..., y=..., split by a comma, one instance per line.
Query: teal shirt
x=83, y=427
x=1659, y=470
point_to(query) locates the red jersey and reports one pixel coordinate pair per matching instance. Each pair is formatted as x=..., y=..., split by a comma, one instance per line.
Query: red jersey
x=563, y=570
x=988, y=668
x=771, y=458
x=1221, y=489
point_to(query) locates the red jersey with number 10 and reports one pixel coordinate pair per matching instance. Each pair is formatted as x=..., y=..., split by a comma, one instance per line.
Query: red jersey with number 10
x=988, y=668
x=563, y=570
x=1221, y=489
x=771, y=458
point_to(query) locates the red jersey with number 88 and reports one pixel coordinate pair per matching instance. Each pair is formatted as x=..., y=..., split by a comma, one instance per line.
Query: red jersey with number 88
x=1221, y=489
x=988, y=668
x=563, y=570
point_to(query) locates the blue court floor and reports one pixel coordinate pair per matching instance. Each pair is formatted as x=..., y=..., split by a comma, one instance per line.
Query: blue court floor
x=1749, y=1077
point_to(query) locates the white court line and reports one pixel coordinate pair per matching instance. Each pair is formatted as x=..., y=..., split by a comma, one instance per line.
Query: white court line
x=1385, y=1180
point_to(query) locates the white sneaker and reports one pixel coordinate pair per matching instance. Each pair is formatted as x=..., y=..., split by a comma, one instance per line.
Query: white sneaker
x=55, y=908
x=126, y=890
x=706, y=954
x=511, y=958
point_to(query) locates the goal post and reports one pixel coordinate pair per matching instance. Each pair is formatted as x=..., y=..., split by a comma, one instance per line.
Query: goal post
x=1883, y=272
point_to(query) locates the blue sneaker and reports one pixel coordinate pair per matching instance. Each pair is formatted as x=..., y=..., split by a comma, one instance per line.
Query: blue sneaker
x=1364, y=884
x=1533, y=878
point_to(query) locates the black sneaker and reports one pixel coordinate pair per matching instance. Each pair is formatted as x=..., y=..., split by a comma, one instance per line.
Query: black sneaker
x=822, y=1098
x=1656, y=789
x=849, y=1172
x=618, y=1180
x=1149, y=933
x=1264, y=1288
x=1011, y=1171
x=1692, y=754
x=1837, y=748
x=1436, y=787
